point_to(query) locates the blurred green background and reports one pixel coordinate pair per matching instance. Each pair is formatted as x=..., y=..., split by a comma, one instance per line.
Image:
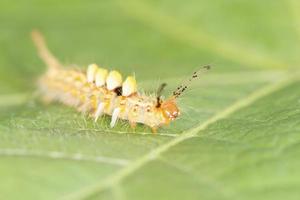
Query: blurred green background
x=52, y=152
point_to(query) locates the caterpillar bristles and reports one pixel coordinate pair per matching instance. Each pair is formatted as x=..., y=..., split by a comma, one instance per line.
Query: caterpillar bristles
x=98, y=92
x=91, y=72
x=114, y=80
x=129, y=86
x=100, y=77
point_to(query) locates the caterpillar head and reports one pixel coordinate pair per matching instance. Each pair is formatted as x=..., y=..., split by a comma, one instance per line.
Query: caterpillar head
x=169, y=109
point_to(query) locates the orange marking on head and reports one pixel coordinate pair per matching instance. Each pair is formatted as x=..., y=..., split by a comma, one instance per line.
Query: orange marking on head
x=170, y=110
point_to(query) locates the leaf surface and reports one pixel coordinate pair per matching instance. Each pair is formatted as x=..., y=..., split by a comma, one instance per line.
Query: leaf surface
x=238, y=134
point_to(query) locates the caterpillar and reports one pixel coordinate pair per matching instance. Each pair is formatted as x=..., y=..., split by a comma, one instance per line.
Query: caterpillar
x=97, y=91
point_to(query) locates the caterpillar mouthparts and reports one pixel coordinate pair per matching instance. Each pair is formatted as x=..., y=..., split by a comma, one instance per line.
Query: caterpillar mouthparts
x=98, y=91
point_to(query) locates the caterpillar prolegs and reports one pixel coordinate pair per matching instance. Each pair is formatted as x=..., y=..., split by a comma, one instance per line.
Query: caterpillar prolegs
x=97, y=91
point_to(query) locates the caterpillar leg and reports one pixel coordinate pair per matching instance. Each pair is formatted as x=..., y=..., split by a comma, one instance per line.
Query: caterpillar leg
x=132, y=120
x=132, y=124
x=114, y=117
x=84, y=108
x=154, y=129
x=99, y=110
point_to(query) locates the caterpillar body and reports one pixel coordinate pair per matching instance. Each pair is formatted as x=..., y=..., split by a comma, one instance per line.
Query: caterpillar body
x=97, y=91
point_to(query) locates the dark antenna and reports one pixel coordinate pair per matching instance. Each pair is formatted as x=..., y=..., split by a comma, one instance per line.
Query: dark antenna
x=182, y=87
x=158, y=94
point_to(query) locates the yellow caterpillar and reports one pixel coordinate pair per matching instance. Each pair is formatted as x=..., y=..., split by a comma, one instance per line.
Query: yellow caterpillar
x=98, y=91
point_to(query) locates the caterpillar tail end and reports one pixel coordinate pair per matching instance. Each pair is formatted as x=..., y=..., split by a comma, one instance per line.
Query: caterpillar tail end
x=43, y=51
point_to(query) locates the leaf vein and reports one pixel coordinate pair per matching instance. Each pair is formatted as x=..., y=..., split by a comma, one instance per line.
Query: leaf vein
x=9, y=152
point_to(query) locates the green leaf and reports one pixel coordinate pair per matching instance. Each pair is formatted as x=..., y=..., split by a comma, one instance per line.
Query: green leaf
x=237, y=137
